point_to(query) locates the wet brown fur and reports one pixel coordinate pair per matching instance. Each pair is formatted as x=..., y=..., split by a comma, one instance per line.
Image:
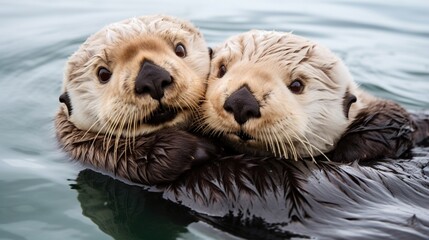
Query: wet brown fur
x=155, y=158
x=269, y=198
x=382, y=130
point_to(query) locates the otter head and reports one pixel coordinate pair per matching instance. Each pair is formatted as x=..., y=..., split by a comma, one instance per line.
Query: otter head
x=136, y=76
x=271, y=92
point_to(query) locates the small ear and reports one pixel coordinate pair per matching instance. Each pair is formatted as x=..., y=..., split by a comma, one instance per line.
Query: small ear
x=348, y=100
x=64, y=98
x=210, y=52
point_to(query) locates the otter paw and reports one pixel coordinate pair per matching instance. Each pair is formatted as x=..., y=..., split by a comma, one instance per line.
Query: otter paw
x=205, y=151
x=165, y=155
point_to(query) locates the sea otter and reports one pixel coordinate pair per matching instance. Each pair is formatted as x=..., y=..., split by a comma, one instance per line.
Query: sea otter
x=268, y=197
x=277, y=93
x=128, y=92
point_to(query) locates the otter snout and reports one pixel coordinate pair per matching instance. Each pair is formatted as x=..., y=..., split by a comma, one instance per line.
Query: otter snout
x=243, y=105
x=152, y=79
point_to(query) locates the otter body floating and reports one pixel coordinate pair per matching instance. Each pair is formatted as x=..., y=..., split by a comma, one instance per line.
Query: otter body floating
x=270, y=198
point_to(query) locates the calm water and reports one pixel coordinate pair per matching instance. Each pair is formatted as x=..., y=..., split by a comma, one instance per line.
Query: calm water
x=385, y=44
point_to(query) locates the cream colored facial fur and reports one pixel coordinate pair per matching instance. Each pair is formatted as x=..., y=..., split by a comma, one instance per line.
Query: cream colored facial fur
x=121, y=48
x=291, y=125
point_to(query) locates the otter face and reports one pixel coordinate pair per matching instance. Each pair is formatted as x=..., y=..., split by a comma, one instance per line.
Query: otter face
x=136, y=76
x=271, y=92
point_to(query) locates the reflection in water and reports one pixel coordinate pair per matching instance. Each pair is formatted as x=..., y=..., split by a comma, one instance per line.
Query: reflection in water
x=129, y=212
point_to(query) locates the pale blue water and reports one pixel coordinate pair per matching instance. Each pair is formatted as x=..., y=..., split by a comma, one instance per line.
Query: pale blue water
x=384, y=43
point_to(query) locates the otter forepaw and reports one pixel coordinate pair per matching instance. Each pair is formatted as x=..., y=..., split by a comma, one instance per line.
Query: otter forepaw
x=168, y=153
x=205, y=151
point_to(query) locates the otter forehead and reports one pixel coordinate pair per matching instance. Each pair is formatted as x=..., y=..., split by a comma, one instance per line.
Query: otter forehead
x=131, y=49
x=264, y=46
x=166, y=27
x=282, y=53
x=149, y=33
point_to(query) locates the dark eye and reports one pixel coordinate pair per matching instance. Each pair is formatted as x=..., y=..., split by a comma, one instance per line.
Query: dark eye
x=296, y=86
x=180, y=50
x=104, y=75
x=222, y=71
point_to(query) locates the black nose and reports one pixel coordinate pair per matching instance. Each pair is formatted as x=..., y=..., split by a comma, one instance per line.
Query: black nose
x=243, y=105
x=152, y=79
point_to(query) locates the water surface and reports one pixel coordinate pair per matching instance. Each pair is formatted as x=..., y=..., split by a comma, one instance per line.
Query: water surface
x=384, y=43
